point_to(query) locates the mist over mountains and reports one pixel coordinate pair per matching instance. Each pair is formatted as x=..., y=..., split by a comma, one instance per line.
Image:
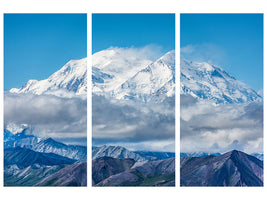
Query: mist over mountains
x=218, y=113
x=56, y=107
x=29, y=159
x=37, y=117
x=133, y=106
x=133, y=100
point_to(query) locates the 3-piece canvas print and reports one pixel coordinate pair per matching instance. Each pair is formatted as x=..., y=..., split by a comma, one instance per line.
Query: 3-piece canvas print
x=135, y=85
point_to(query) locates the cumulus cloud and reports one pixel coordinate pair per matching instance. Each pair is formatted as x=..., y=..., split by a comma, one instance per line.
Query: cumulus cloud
x=50, y=116
x=133, y=124
x=206, y=52
x=221, y=128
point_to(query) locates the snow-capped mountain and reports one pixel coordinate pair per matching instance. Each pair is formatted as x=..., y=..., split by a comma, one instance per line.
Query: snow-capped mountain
x=115, y=73
x=208, y=82
x=115, y=152
x=124, y=78
x=26, y=139
x=118, y=75
x=121, y=152
x=14, y=128
x=72, y=77
x=23, y=139
x=157, y=80
x=112, y=67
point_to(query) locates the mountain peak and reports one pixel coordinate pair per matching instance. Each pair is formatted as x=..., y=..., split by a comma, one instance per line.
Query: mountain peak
x=156, y=82
x=112, y=67
x=115, y=152
x=208, y=82
x=72, y=77
x=234, y=154
x=233, y=168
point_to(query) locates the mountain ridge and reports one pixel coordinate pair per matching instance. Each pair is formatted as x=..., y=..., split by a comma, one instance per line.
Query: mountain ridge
x=45, y=145
x=146, y=173
x=23, y=157
x=121, y=152
x=146, y=80
x=234, y=168
x=208, y=82
x=156, y=81
x=71, y=175
x=72, y=77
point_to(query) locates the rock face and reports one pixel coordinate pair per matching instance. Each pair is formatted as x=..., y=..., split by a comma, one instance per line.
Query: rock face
x=234, y=168
x=147, y=173
x=72, y=175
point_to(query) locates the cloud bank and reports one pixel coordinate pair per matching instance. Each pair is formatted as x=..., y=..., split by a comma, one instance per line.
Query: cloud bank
x=133, y=125
x=221, y=128
x=50, y=116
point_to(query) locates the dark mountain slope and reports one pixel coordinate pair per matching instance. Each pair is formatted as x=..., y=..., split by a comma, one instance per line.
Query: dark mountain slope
x=28, y=176
x=147, y=173
x=72, y=175
x=234, y=168
x=104, y=167
x=23, y=157
x=48, y=145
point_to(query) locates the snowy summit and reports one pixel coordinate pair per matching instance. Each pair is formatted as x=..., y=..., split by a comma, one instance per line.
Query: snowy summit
x=208, y=82
x=72, y=77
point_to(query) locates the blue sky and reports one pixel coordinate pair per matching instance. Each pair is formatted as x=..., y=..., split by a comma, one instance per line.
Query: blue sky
x=37, y=45
x=232, y=41
x=133, y=30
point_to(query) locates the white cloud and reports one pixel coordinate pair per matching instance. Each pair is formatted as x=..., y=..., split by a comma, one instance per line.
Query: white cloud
x=149, y=52
x=206, y=52
x=132, y=124
x=188, y=49
x=50, y=116
x=210, y=128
